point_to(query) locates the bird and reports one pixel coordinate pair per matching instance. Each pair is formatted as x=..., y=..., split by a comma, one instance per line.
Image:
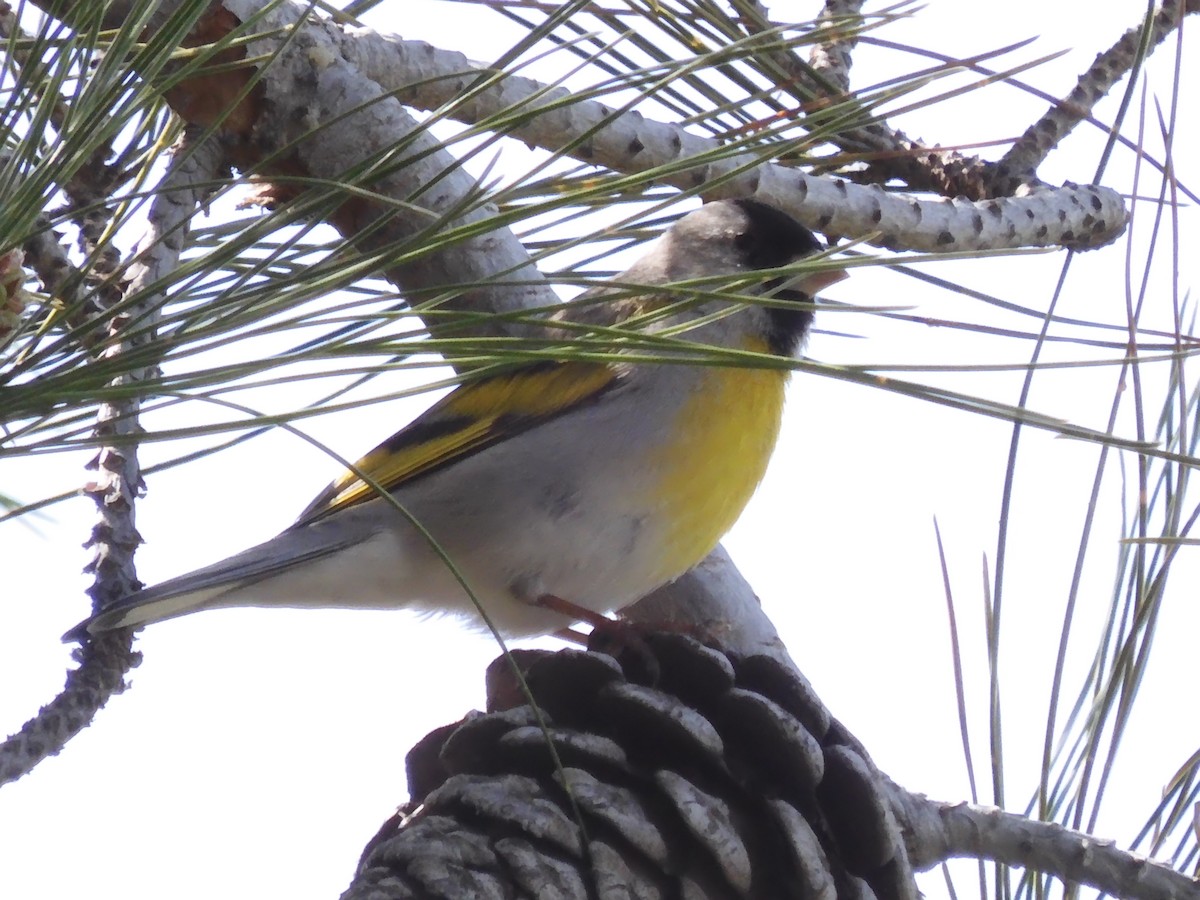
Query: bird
x=555, y=486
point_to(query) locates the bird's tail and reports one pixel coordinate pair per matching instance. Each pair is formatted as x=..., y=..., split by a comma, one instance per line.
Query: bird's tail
x=223, y=583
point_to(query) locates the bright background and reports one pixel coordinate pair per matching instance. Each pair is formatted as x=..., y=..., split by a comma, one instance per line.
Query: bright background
x=258, y=750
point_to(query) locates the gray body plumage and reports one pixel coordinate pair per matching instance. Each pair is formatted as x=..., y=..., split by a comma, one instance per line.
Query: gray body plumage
x=497, y=530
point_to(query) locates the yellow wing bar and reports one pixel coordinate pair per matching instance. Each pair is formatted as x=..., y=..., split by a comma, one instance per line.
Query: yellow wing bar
x=473, y=416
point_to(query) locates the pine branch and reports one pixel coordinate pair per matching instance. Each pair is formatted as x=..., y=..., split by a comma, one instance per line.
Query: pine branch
x=830, y=57
x=888, y=152
x=1109, y=68
x=103, y=664
x=105, y=661
x=940, y=831
x=415, y=73
x=428, y=78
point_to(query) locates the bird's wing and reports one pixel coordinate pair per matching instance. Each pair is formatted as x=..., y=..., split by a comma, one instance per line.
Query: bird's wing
x=473, y=416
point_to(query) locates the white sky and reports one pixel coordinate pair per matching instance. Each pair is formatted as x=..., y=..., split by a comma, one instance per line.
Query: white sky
x=259, y=750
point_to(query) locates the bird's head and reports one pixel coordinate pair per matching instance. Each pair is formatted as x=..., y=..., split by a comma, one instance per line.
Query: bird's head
x=714, y=248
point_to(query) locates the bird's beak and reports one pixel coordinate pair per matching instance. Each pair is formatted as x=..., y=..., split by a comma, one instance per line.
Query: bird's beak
x=815, y=282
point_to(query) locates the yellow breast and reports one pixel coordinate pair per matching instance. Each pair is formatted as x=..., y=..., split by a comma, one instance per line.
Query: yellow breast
x=728, y=430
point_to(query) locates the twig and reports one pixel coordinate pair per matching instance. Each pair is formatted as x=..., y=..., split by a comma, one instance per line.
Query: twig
x=1110, y=67
x=420, y=75
x=949, y=172
x=104, y=661
x=936, y=832
x=827, y=72
x=88, y=191
x=830, y=58
x=45, y=254
x=89, y=186
x=43, y=250
x=101, y=673
x=888, y=152
x=118, y=481
x=429, y=78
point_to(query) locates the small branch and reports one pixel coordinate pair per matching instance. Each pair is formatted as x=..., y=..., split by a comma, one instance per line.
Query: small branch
x=360, y=62
x=935, y=832
x=893, y=155
x=70, y=285
x=428, y=78
x=105, y=660
x=88, y=188
x=59, y=278
x=45, y=254
x=889, y=153
x=88, y=191
x=827, y=72
x=119, y=482
x=1110, y=67
x=103, y=663
x=830, y=58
